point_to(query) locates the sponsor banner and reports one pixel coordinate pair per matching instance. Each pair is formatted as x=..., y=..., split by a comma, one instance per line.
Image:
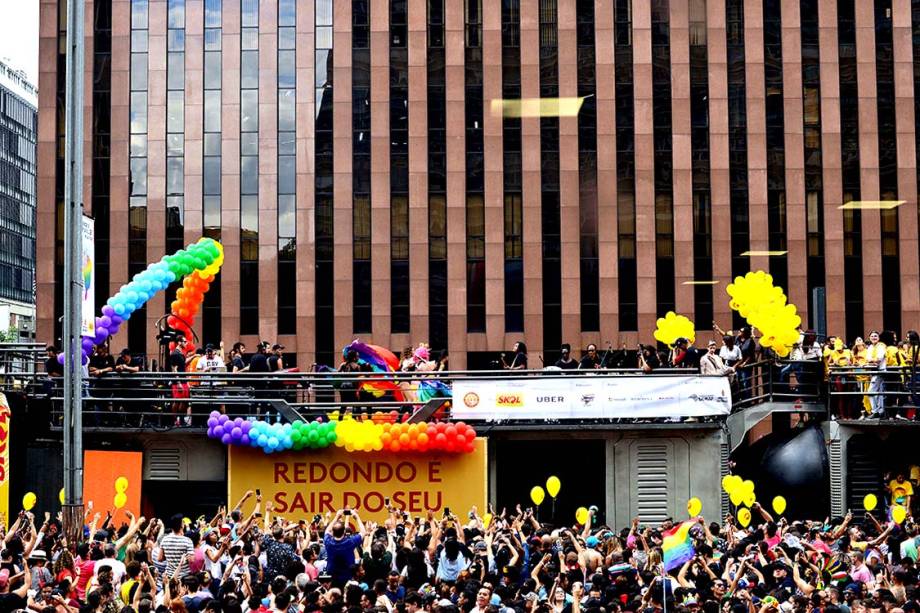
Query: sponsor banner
x=591, y=397
x=88, y=274
x=4, y=460
x=301, y=485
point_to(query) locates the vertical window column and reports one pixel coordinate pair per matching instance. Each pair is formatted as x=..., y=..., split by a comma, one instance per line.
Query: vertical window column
x=849, y=147
x=323, y=183
x=888, y=165
x=475, y=184
x=626, y=165
x=175, y=133
x=587, y=169
x=102, y=144
x=737, y=142
x=249, y=167
x=362, y=313
x=776, y=144
x=664, y=187
x=211, y=152
x=287, y=167
x=399, y=168
x=137, y=179
x=511, y=140
x=549, y=181
x=814, y=171
x=437, y=179
x=699, y=142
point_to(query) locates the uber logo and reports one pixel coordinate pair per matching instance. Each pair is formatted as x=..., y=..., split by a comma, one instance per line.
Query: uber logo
x=550, y=398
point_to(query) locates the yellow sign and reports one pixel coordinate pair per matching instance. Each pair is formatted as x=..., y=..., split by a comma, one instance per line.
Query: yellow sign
x=300, y=485
x=4, y=460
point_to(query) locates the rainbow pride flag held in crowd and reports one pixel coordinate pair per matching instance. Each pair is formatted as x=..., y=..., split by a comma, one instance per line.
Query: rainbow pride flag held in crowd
x=677, y=546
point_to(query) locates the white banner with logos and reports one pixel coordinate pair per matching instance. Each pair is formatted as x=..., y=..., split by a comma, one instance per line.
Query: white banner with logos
x=88, y=275
x=590, y=397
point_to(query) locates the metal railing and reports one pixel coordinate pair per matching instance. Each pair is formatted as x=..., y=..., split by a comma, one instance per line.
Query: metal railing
x=856, y=392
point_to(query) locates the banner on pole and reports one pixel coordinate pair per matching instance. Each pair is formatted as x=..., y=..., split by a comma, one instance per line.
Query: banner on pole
x=4, y=461
x=591, y=397
x=88, y=274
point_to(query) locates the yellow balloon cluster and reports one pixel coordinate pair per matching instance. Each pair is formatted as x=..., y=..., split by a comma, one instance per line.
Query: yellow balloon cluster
x=740, y=491
x=356, y=435
x=672, y=327
x=764, y=306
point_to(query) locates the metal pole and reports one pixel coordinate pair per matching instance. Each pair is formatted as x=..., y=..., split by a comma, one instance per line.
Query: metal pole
x=73, y=281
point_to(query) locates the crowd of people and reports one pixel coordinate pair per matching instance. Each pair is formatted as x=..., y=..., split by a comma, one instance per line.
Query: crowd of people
x=246, y=559
x=868, y=379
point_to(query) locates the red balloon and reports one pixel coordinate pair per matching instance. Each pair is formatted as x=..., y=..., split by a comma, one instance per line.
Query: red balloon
x=440, y=440
x=394, y=446
x=451, y=433
x=470, y=447
x=451, y=446
x=432, y=431
x=413, y=444
x=460, y=425
x=441, y=426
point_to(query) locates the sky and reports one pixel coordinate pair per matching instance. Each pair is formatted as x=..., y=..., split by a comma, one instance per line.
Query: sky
x=19, y=35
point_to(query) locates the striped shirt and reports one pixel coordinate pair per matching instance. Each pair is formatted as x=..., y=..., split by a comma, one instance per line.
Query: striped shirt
x=174, y=546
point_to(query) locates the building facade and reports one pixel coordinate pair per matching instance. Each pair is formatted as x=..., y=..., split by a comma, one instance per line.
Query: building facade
x=18, y=134
x=350, y=156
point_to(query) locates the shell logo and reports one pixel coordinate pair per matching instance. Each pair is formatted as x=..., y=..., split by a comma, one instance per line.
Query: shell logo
x=471, y=399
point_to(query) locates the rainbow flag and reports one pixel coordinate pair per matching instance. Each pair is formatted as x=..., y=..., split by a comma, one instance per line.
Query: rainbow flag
x=677, y=546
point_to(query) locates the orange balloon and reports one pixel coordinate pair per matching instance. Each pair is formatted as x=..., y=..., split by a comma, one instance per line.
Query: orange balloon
x=394, y=446
x=423, y=438
x=404, y=439
x=386, y=439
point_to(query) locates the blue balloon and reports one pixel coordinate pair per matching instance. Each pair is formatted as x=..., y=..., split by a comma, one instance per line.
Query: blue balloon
x=263, y=440
x=273, y=443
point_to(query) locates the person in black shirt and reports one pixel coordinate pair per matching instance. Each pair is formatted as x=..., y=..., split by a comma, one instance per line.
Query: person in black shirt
x=180, y=389
x=519, y=362
x=54, y=369
x=590, y=361
x=566, y=362
x=648, y=358
x=13, y=600
x=275, y=364
x=100, y=365
x=259, y=364
x=125, y=366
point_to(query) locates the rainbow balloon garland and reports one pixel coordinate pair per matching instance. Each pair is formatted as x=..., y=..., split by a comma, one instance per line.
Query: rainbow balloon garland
x=353, y=435
x=201, y=261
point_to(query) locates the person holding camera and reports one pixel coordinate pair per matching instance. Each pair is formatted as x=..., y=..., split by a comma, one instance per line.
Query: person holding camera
x=340, y=548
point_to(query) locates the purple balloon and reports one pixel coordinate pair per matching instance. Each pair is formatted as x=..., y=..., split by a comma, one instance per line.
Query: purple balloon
x=218, y=431
x=236, y=433
x=101, y=335
x=214, y=414
x=238, y=422
x=116, y=319
x=60, y=359
x=223, y=419
x=246, y=427
x=84, y=359
x=113, y=330
x=244, y=440
x=87, y=344
x=225, y=439
x=212, y=421
x=211, y=432
x=105, y=321
x=108, y=310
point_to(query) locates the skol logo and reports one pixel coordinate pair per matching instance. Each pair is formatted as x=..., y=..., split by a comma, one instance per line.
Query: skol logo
x=509, y=400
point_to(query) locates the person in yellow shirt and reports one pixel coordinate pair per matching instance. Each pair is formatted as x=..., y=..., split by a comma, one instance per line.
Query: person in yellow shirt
x=858, y=359
x=836, y=356
x=901, y=490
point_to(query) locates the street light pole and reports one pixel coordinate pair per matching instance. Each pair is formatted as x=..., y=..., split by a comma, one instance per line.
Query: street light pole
x=73, y=280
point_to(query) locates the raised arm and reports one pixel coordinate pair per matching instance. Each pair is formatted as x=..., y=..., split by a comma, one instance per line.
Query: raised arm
x=133, y=527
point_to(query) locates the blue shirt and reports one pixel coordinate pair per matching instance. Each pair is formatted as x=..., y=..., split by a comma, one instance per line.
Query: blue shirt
x=340, y=556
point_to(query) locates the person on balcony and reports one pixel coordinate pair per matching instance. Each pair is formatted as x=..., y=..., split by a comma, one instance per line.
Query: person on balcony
x=519, y=361
x=876, y=359
x=566, y=361
x=590, y=361
x=713, y=365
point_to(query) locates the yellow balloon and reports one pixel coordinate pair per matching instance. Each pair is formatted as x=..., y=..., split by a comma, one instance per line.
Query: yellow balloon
x=120, y=500
x=28, y=501
x=898, y=513
x=749, y=499
x=553, y=484
x=486, y=520
x=870, y=502
x=581, y=515
x=747, y=485
x=121, y=485
x=737, y=496
x=61, y=495
x=744, y=517
x=728, y=483
x=779, y=504
x=538, y=495
x=694, y=506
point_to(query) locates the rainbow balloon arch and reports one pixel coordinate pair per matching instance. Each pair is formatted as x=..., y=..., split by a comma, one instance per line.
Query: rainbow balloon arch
x=196, y=265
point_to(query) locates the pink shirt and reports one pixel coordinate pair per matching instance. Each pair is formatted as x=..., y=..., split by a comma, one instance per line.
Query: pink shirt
x=85, y=567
